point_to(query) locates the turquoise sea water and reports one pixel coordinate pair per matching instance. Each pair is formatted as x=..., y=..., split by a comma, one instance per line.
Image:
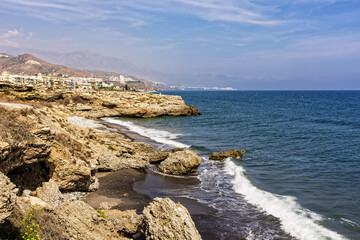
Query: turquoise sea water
x=303, y=154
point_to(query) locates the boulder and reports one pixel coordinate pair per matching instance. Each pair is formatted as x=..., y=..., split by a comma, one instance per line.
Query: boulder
x=125, y=222
x=80, y=221
x=157, y=156
x=25, y=203
x=163, y=219
x=7, y=197
x=233, y=153
x=50, y=193
x=180, y=163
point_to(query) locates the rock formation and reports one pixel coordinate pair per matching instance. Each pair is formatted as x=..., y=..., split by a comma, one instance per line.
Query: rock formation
x=180, y=163
x=163, y=219
x=97, y=104
x=226, y=154
x=7, y=197
x=127, y=223
x=81, y=221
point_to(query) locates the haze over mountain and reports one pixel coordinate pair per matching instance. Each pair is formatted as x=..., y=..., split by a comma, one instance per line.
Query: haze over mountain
x=89, y=60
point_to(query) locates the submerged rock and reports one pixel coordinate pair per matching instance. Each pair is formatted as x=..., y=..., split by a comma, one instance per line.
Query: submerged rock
x=226, y=154
x=180, y=163
x=163, y=219
x=7, y=197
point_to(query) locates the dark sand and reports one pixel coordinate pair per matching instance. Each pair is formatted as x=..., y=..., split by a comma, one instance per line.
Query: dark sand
x=117, y=188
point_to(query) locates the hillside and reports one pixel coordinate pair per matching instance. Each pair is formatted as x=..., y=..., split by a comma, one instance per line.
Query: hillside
x=28, y=64
x=31, y=65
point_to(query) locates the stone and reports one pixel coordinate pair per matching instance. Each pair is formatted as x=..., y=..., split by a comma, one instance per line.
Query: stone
x=25, y=203
x=8, y=193
x=163, y=219
x=50, y=193
x=125, y=222
x=180, y=163
x=233, y=153
x=80, y=221
x=107, y=205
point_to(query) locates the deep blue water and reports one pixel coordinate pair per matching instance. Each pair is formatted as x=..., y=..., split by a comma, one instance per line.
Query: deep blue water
x=303, y=147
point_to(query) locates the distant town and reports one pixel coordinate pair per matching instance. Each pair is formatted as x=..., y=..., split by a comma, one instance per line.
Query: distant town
x=54, y=77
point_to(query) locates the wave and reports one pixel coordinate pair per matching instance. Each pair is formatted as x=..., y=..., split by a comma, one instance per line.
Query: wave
x=296, y=220
x=160, y=136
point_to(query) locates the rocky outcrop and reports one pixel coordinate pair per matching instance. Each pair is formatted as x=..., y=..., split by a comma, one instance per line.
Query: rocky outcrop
x=7, y=197
x=127, y=223
x=97, y=104
x=50, y=193
x=80, y=221
x=163, y=219
x=180, y=163
x=226, y=154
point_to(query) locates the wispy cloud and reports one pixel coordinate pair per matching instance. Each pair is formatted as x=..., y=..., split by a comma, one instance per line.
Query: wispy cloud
x=137, y=11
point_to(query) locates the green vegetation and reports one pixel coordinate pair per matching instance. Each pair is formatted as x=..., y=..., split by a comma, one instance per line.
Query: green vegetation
x=111, y=148
x=28, y=227
x=101, y=212
x=6, y=91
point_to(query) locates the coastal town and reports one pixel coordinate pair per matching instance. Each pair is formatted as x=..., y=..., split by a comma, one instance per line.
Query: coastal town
x=64, y=81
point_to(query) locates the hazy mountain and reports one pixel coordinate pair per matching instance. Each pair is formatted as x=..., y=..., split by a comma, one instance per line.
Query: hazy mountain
x=89, y=60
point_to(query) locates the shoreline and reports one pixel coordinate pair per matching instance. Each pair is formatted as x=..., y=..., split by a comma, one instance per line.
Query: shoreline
x=129, y=189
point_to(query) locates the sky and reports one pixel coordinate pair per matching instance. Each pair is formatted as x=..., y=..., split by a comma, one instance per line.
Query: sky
x=245, y=44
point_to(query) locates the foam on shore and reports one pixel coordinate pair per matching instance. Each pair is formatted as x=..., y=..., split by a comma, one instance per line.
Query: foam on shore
x=296, y=220
x=160, y=136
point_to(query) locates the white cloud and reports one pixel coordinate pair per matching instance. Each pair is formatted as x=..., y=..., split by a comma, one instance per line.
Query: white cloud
x=10, y=34
x=10, y=38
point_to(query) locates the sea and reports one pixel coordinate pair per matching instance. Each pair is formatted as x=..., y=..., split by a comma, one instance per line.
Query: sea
x=300, y=176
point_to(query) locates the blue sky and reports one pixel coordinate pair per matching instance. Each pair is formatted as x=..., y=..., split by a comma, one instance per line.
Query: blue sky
x=246, y=44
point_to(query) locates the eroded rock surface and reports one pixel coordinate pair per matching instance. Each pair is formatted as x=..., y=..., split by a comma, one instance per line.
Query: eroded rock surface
x=80, y=221
x=226, y=154
x=164, y=219
x=126, y=223
x=7, y=197
x=180, y=163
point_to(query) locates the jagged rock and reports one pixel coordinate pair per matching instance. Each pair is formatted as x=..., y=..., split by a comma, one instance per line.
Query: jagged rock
x=7, y=197
x=108, y=161
x=226, y=154
x=25, y=203
x=163, y=219
x=125, y=222
x=107, y=205
x=180, y=163
x=80, y=221
x=50, y=193
x=157, y=156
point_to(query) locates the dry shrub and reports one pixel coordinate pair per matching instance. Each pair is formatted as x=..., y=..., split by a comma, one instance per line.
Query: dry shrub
x=35, y=223
x=12, y=129
x=13, y=99
x=78, y=99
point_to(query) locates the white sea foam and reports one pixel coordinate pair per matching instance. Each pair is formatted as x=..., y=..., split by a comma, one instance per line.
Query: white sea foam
x=296, y=220
x=159, y=136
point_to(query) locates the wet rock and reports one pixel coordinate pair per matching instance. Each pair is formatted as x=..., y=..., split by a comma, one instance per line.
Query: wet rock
x=80, y=221
x=226, y=154
x=126, y=223
x=163, y=219
x=8, y=193
x=180, y=163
